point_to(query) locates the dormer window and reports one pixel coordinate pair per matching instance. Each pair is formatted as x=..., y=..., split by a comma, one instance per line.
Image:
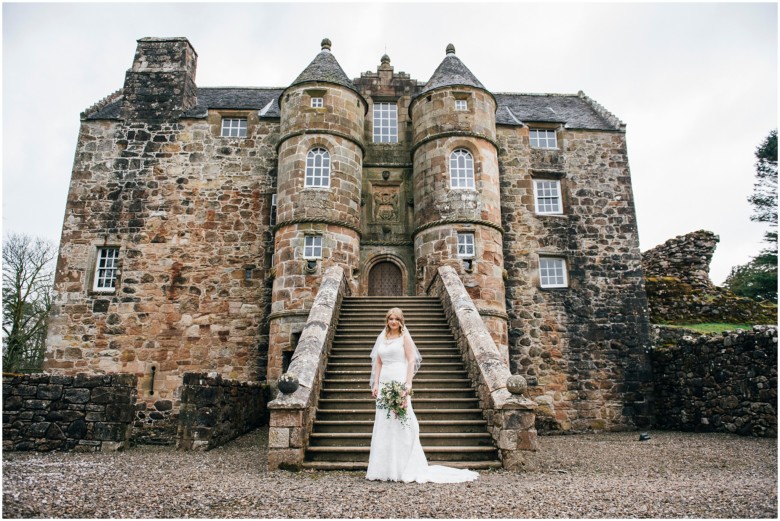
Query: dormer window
x=233, y=127
x=541, y=138
x=461, y=104
x=317, y=103
x=385, y=123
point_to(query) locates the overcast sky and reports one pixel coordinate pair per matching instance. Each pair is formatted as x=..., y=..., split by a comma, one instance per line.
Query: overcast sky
x=696, y=85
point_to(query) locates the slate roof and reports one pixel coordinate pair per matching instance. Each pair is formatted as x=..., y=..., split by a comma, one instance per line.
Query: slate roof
x=324, y=67
x=451, y=71
x=575, y=111
x=263, y=99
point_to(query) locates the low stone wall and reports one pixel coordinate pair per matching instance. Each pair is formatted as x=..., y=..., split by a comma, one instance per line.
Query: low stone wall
x=83, y=412
x=720, y=383
x=214, y=411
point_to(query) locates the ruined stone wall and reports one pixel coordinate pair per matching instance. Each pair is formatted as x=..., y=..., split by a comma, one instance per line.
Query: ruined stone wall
x=84, y=413
x=685, y=257
x=189, y=212
x=215, y=411
x=716, y=383
x=582, y=348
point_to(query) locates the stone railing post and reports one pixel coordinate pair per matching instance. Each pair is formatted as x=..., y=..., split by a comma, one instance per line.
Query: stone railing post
x=292, y=412
x=510, y=414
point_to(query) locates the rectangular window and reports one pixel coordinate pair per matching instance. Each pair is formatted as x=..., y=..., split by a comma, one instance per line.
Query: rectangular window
x=385, y=123
x=317, y=103
x=106, y=270
x=466, y=245
x=461, y=104
x=552, y=272
x=312, y=247
x=272, y=218
x=543, y=139
x=233, y=127
x=547, y=196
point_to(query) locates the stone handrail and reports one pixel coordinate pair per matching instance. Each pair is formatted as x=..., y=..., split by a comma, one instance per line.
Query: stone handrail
x=510, y=415
x=292, y=414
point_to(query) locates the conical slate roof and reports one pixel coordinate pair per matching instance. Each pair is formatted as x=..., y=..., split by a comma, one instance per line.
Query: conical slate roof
x=325, y=68
x=451, y=72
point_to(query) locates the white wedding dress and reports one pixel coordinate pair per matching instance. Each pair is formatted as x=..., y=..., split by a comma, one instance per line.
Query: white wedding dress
x=396, y=452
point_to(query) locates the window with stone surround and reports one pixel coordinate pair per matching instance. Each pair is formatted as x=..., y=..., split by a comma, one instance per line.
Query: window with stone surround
x=272, y=216
x=312, y=246
x=552, y=272
x=542, y=138
x=317, y=168
x=461, y=104
x=461, y=169
x=466, y=245
x=547, y=196
x=106, y=270
x=233, y=127
x=317, y=103
x=385, y=123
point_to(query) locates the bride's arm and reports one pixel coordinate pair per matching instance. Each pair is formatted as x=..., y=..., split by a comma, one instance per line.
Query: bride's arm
x=409, y=353
x=377, y=371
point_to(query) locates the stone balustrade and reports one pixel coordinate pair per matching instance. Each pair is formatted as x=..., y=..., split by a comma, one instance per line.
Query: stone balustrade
x=511, y=417
x=292, y=414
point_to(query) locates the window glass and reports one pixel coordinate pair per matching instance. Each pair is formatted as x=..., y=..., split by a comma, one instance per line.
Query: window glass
x=461, y=169
x=233, y=127
x=552, y=272
x=272, y=217
x=317, y=103
x=466, y=245
x=312, y=247
x=385, y=123
x=460, y=104
x=317, y=168
x=547, y=193
x=543, y=139
x=106, y=269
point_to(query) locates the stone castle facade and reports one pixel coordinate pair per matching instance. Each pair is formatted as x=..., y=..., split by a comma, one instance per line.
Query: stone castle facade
x=199, y=223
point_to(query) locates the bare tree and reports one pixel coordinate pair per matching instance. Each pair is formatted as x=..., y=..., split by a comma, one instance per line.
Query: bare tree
x=28, y=276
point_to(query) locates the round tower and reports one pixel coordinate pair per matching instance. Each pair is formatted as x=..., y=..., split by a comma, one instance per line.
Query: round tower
x=457, y=207
x=320, y=154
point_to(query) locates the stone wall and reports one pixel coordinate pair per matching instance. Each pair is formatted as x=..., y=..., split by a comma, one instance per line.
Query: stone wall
x=84, y=413
x=215, y=411
x=679, y=289
x=583, y=348
x=716, y=383
x=189, y=211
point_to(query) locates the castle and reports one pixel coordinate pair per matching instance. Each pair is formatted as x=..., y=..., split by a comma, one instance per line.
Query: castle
x=199, y=223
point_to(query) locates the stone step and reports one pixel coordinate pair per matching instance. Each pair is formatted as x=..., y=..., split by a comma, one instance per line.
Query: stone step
x=452, y=358
x=363, y=465
x=425, y=426
x=433, y=453
x=341, y=414
x=429, y=439
x=426, y=403
x=351, y=394
x=356, y=384
x=353, y=366
x=365, y=374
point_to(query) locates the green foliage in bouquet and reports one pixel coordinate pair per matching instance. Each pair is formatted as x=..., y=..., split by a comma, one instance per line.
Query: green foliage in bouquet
x=392, y=399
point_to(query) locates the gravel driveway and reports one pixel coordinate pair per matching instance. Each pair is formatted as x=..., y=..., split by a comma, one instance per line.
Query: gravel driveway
x=593, y=476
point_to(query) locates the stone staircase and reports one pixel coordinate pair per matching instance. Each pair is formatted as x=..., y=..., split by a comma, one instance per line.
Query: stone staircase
x=452, y=430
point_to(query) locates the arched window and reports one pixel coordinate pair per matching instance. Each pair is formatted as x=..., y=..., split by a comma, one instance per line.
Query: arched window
x=461, y=169
x=317, y=168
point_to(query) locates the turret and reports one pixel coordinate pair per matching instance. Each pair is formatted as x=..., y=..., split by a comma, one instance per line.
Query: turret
x=318, y=193
x=457, y=217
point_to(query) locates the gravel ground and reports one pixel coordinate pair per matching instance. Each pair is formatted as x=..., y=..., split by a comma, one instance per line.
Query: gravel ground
x=613, y=475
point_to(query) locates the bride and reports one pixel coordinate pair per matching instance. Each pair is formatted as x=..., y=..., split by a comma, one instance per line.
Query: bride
x=396, y=452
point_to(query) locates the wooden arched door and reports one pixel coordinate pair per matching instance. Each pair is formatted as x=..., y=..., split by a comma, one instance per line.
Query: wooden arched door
x=385, y=280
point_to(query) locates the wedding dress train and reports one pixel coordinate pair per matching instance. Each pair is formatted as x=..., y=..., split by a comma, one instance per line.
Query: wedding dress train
x=396, y=452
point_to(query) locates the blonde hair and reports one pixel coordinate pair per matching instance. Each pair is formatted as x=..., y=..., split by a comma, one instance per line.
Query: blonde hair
x=398, y=314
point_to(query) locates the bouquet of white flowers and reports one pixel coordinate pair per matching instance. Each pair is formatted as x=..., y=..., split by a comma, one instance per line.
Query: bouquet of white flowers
x=392, y=397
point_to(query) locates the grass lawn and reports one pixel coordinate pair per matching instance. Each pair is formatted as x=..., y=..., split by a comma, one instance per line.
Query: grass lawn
x=712, y=327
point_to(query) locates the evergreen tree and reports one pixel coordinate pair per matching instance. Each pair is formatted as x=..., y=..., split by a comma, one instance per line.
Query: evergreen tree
x=758, y=278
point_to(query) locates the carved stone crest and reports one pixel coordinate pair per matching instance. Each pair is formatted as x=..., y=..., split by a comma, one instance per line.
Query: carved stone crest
x=386, y=204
